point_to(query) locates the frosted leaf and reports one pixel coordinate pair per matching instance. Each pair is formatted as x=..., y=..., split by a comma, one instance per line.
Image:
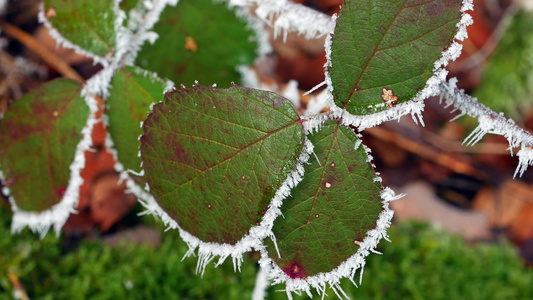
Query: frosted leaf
x=64, y=42
x=374, y=111
x=56, y=216
x=347, y=269
x=206, y=252
x=141, y=20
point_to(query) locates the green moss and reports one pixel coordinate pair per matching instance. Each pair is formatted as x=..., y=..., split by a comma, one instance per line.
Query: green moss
x=422, y=262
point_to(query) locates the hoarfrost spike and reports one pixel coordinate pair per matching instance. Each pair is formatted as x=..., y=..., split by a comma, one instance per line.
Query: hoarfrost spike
x=489, y=122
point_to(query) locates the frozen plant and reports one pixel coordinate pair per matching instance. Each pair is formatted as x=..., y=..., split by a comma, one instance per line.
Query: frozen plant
x=239, y=169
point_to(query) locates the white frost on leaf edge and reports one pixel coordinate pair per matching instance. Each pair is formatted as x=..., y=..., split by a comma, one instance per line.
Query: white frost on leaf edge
x=254, y=23
x=414, y=106
x=489, y=122
x=64, y=42
x=285, y=16
x=57, y=215
x=348, y=268
x=141, y=20
x=98, y=85
x=253, y=240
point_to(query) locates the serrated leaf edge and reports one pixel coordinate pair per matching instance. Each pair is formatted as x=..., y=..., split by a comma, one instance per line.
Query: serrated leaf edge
x=142, y=19
x=207, y=252
x=64, y=42
x=57, y=215
x=415, y=106
x=348, y=268
x=253, y=240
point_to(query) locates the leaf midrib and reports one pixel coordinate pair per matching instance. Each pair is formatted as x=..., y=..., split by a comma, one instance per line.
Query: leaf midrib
x=229, y=158
x=373, y=54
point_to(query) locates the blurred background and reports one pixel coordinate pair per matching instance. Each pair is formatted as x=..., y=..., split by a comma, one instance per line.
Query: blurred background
x=464, y=230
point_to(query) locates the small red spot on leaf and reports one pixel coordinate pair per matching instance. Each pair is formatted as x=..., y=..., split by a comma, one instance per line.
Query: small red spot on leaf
x=61, y=192
x=295, y=270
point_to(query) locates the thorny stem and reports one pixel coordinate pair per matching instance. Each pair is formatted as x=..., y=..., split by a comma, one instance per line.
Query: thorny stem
x=489, y=122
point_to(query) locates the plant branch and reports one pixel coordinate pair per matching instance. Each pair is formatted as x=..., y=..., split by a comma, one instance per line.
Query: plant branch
x=489, y=122
x=49, y=57
x=442, y=159
x=17, y=286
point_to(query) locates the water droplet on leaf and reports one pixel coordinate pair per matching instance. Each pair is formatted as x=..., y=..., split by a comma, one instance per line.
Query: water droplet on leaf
x=327, y=184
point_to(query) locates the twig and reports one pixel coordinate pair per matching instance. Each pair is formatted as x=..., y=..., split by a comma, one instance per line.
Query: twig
x=49, y=57
x=423, y=151
x=17, y=286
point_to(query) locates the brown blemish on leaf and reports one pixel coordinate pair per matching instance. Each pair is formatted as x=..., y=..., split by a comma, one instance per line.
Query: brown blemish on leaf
x=181, y=154
x=190, y=44
x=389, y=97
x=51, y=12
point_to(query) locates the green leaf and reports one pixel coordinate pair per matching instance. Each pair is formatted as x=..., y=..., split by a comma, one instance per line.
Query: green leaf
x=199, y=40
x=388, y=44
x=330, y=210
x=215, y=158
x=133, y=90
x=507, y=82
x=89, y=24
x=38, y=139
